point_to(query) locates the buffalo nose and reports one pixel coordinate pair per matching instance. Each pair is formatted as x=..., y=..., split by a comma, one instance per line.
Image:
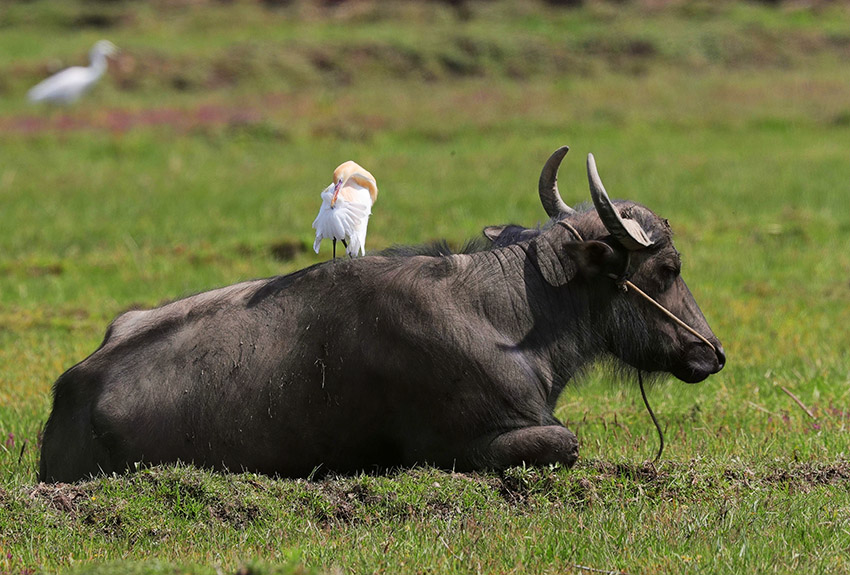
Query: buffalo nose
x=721, y=356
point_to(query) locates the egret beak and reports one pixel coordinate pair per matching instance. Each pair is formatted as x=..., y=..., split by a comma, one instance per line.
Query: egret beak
x=336, y=192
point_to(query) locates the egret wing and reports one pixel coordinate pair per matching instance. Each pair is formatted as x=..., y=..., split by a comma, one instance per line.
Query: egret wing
x=356, y=217
x=66, y=85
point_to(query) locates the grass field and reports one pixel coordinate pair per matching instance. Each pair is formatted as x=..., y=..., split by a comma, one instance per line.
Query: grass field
x=198, y=162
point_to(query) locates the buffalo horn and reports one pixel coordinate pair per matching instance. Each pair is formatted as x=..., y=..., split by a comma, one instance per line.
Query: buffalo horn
x=548, y=186
x=628, y=232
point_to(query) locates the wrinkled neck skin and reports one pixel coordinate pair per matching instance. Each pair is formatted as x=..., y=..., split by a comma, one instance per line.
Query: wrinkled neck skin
x=543, y=308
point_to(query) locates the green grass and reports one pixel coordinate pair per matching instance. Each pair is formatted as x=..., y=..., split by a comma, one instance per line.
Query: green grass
x=198, y=163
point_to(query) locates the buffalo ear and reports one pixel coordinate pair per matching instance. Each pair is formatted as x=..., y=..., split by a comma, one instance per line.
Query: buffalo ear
x=501, y=236
x=593, y=258
x=492, y=233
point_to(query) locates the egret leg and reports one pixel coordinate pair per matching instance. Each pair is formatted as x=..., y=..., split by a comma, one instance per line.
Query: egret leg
x=334, y=248
x=344, y=243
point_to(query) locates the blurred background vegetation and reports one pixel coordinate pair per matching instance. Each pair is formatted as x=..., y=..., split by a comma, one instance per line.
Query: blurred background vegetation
x=198, y=160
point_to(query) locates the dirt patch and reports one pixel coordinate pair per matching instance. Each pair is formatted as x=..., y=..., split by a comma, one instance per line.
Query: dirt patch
x=96, y=20
x=337, y=501
x=673, y=479
x=330, y=502
x=287, y=250
x=121, y=121
x=61, y=496
x=526, y=487
x=798, y=476
x=518, y=486
x=344, y=501
x=36, y=271
x=236, y=513
x=334, y=502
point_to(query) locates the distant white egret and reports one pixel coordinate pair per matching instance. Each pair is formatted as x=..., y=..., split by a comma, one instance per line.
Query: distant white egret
x=67, y=86
x=346, y=207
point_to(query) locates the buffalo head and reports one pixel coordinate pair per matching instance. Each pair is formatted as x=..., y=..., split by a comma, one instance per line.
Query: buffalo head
x=617, y=242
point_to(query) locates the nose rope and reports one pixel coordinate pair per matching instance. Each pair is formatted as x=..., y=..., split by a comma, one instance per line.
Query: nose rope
x=654, y=419
x=624, y=284
x=668, y=313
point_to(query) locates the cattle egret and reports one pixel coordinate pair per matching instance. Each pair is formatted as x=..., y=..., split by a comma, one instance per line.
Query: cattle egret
x=67, y=86
x=346, y=207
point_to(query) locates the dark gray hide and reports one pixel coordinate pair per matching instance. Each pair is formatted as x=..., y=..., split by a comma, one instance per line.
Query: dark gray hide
x=376, y=362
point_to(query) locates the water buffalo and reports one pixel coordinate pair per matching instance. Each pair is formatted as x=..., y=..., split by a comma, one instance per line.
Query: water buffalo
x=454, y=360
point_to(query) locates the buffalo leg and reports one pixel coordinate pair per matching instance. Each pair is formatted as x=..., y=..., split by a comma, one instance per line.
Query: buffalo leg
x=541, y=445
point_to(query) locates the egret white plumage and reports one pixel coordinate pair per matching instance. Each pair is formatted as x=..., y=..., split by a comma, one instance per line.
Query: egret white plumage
x=67, y=86
x=346, y=207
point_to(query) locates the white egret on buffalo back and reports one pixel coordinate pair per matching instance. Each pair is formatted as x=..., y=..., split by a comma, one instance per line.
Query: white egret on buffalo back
x=346, y=207
x=67, y=86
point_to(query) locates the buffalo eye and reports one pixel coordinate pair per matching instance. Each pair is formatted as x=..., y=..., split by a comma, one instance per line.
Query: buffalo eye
x=669, y=273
